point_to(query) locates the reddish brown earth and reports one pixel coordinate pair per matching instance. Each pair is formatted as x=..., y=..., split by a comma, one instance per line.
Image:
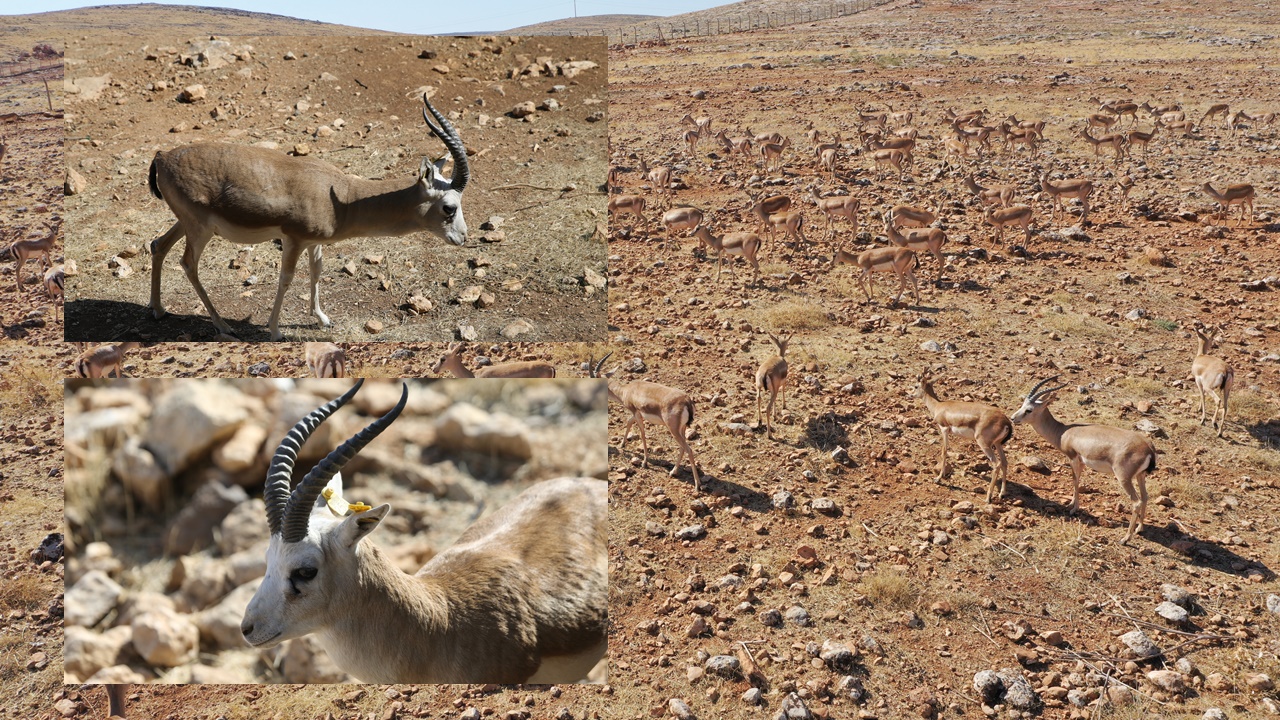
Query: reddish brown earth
x=990, y=584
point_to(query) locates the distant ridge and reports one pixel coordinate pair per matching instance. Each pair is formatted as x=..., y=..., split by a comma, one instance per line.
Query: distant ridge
x=587, y=25
x=157, y=16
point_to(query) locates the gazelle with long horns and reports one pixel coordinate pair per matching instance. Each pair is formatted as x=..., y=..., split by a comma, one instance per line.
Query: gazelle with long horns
x=1212, y=374
x=1124, y=453
x=987, y=425
x=649, y=402
x=252, y=195
x=521, y=596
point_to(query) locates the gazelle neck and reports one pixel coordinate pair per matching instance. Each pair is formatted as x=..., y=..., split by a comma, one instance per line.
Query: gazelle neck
x=377, y=207
x=389, y=627
x=1047, y=426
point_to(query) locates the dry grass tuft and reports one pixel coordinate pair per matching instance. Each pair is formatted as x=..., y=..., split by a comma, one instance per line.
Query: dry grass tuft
x=791, y=316
x=890, y=590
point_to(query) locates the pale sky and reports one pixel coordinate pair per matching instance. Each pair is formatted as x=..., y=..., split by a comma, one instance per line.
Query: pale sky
x=427, y=17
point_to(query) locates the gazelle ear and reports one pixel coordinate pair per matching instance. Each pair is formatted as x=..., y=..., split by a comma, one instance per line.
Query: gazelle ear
x=356, y=526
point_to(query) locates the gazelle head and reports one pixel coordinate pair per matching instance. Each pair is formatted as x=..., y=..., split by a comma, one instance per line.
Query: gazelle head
x=1208, y=336
x=593, y=370
x=312, y=557
x=781, y=343
x=450, y=357
x=441, y=210
x=923, y=385
x=1036, y=400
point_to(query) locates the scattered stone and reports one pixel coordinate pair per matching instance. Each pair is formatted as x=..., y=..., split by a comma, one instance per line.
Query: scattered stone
x=752, y=696
x=1035, y=464
x=165, y=638
x=74, y=183
x=1213, y=714
x=1168, y=680
x=516, y=328
x=1173, y=613
x=1260, y=683
x=191, y=418
x=783, y=500
x=1018, y=692
x=1146, y=426
x=468, y=333
x=192, y=93
x=693, y=532
x=797, y=615
x=680, y=709
x=91, y=598
x=726, y=666
x=793, y=708
x=373, y=326
x=771, y=618
x=838, y=657
x=1140, y=644
x=49, y=550
x=1273, y=603
x=192, y=529
x=524, y=109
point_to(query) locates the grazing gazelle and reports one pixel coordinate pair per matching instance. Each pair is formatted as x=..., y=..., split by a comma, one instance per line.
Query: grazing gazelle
x=1001, y=195
x=987, y=425
x=1071, y=188
x=771, y=377
x=521, y=596
x=252, y=195
x=1126, y=454
x=622, y=204
x=845, y=206
x=326, y=360
x=682, y=218
x=899, y=261
x=452, y=361
x=648, y=402
x=1212, y=374
x=1241, y=194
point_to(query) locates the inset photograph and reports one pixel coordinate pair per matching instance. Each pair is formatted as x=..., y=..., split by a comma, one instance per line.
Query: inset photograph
x=337, y=189
x=329, y=531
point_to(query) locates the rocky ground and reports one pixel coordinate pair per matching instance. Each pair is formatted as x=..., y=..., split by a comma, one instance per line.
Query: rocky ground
x=31, y=203
x=167, y=532
x=531, y=112
x=825, y=567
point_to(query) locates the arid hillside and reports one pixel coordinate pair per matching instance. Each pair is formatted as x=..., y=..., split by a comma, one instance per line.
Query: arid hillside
x=827, y=566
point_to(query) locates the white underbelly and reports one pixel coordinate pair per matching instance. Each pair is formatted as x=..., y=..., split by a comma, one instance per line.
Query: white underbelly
x=568, y=668
x=649, y=417
x=964, y=432
x=243, y=235
x=1100, y=465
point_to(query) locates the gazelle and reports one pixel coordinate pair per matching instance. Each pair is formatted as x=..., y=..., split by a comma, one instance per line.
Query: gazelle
x=659, y=177
x=987, y=425
x=911, y=216
x=771, y=377
x=1222, y=109
x=792, y=224
x=744, y=244
x=326, y=360
x=53, y=281
x=252, y=195
x=772, y=154
x=1120, y=109
x=521, y=596
x=1126, y=454
x=99, y=361
x=1012, y=215
x=766, y=208
x=827, y=161
x=1236, y=120
x=888, y=158
x=623, y=204
x=899, y=261
x=702, y=124
x=1071, y=188
x=1116, y=141
x=762, y=138
x=1160, y=110
x=452, y=361
x=1212, y=374
x=928, y=240
x=1183, y=127
x=1240, y=194
x=1100, y=121
x=1137, y=137
x=39, y=248
x=650, y=402
x=1124, y=184
x=681, y=218
x=691, y=138
x=995, y=195
x=819, y=148
x=845, y=206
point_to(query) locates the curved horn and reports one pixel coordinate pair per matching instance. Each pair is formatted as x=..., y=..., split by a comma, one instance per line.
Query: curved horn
x=280, y=474
x=449, y=136
x=595, y=370
x=297, y=513
x=1036, y=392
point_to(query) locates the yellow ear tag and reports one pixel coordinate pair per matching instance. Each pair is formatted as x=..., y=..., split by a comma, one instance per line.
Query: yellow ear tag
x=340, y=507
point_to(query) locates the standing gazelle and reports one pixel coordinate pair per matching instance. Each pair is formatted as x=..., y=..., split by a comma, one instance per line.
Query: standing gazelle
x=98, y=362
x=648, y=402
x=771, y=377
x=252, y=195
x=521, y=596
x=987, y=425
x=1126, y=454
x=1070, y=188
x=1212, y=374
x=744, y=244
x=39, y=248
x=54, y=278
x=1240, y=194
x=899, y=261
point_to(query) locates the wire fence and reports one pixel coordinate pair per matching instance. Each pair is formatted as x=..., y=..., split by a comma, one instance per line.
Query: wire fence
x=661, y=31
x=19, y=68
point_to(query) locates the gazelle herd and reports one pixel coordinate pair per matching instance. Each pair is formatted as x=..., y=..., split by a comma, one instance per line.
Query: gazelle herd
x=892, y=144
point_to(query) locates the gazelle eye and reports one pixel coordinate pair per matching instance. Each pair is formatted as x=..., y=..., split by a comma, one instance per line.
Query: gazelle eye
x=303, y=573
x=450, y=211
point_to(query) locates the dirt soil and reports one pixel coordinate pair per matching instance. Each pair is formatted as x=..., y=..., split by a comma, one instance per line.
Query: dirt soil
x=927, y=584
x=352, y=102
x=32, y=197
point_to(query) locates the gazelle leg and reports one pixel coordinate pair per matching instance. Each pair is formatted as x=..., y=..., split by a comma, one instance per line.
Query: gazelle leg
x=316, y=256
x=191, y=266
x=773, y=395
x=159, y=249
x=1226, y=392
x=288, y=264
x=644, y=440
x=1004, y=470
x=626, y=431
x=943, y=466
x=1077, y=465
x=1202, y=402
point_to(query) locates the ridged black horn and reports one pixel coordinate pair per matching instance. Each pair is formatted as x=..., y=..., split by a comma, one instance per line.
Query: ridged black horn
x=449, y=136
x=280, y=474
x=1035, y=391
x=297, y=513
x=595, y=366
